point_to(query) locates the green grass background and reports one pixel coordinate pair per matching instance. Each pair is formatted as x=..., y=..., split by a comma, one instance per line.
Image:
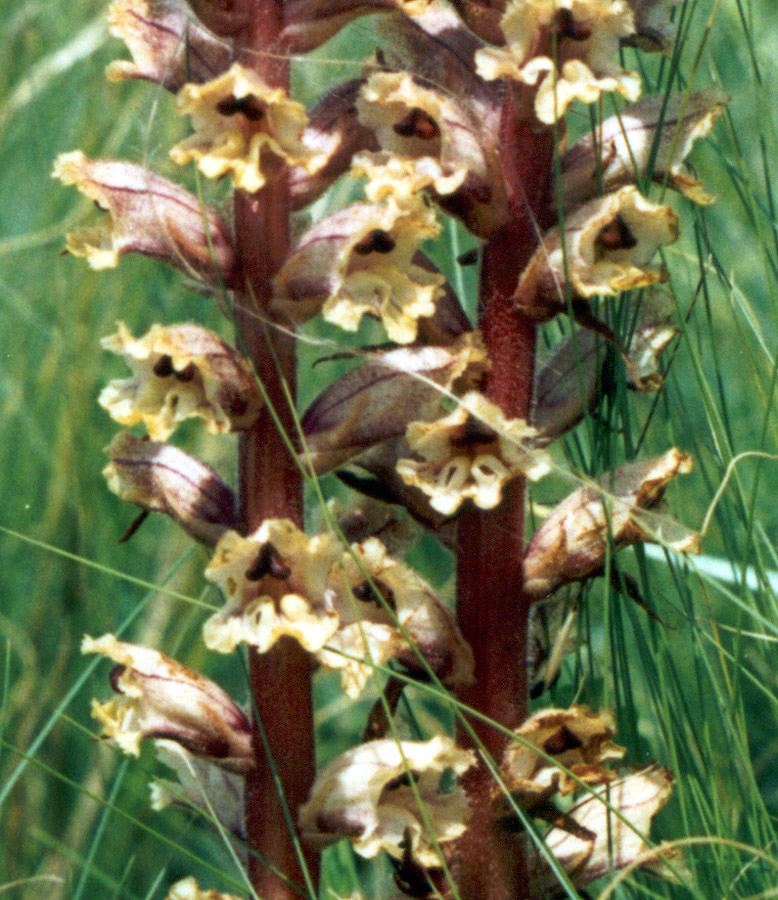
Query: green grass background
x=694, y=689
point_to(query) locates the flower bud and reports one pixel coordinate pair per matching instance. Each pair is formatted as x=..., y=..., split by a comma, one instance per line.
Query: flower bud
x=359, y=261
x=179, y=373
x=243, y=128
x=364, y=794
x=168, y=45
x=470, y=454
x=379, y=399
x=566, y=49
x=656, y=131
x=149, y=215
x=160, y=698
x=162, y=478
x=605, y=248
x=573, y=541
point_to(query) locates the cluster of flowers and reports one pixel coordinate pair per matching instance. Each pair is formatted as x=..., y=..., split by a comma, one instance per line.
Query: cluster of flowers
x=422, y=130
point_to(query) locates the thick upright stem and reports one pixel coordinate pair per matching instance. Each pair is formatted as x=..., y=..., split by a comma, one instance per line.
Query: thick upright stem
x=492, y=608
x=270, y=487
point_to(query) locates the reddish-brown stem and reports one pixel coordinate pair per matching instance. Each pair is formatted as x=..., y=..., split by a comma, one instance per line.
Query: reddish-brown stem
x=270, y=487
x=492, y=609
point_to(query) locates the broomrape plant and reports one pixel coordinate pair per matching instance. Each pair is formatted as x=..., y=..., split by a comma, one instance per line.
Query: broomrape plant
x=461, y=113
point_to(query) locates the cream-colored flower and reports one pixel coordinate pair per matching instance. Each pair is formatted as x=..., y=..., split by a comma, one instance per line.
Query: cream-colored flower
x=148, y=215
x=378, y=399
x=575, y=738
x=599, y=841
x=470, y=454
x=365, y=795
x=243, y=128
x=161, y=478
x=180, y=372
x=359, y=261
x=380, y=602
x=605, y=248
x=568, y=48
x=275, y=584
x=189, y=889
x=656, y=131
x=624, y=507
x=160, y=698
x=202, y=786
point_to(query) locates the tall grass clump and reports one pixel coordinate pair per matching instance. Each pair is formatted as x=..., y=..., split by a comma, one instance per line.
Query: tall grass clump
x=414, y=312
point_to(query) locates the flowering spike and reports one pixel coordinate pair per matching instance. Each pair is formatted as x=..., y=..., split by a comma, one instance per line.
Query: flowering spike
x=180, y=372
x=243, y=128
x=149, y=215
x=168, y=45
x=160, y=698
x=162, y=478
x=656, y=131
x=364, y=795
x=573, y=541
x=470, y=454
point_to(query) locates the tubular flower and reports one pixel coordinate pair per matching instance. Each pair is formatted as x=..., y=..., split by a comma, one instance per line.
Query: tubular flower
x=161, y=478
x=657, y=132
x=359, y=261
x=566, y=48
x=386, y=612
x=470, y=454
x=243, y=128
x=366, y=795
x=597, y=840
x=573, y=541
x=149, y=215
x=160, y=698
x=189, y=889
x=202, y=786
x=275, y=583
x=412, y=120
x=574, y=738
x=168, y=45
x=378, y=399
x=179, y=373
x=605, y=248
